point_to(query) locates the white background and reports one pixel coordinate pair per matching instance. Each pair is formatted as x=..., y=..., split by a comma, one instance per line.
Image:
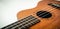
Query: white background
x=10, y=8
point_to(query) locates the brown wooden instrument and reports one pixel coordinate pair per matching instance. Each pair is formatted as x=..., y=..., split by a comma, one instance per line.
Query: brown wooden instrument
x=46, y=15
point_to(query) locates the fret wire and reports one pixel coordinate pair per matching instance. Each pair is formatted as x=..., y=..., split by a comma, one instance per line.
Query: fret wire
x=24, y=22
x=16, y=22
x=30, y=24
x=21, y=21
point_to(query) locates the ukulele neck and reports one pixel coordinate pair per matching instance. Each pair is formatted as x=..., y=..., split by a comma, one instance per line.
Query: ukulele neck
x=23, y=23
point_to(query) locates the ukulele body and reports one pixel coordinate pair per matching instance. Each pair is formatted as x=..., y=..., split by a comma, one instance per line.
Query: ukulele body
x=46, y=23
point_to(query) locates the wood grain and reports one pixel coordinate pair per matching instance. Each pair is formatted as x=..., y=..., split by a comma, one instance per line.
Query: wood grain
x=46, y=23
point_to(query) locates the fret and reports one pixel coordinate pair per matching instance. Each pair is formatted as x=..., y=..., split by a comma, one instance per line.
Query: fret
x=17, y=23
x=23, y=23
x=30, y=23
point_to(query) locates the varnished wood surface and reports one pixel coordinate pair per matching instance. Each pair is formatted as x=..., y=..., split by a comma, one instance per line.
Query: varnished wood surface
x=46, y=23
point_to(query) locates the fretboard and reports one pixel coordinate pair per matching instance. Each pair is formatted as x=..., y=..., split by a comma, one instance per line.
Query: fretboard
x=24, y=23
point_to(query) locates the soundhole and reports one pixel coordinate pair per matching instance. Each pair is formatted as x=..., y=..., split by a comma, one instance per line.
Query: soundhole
x=44, y=14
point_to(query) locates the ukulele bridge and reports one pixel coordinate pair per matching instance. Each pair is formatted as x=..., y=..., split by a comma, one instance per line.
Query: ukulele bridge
x=55, y=5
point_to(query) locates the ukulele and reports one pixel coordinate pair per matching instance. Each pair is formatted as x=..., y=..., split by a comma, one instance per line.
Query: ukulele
x=46, y=15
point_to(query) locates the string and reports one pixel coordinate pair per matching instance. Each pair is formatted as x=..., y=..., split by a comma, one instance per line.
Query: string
x=24, y=22
x=49, y=10
x=45, y=15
